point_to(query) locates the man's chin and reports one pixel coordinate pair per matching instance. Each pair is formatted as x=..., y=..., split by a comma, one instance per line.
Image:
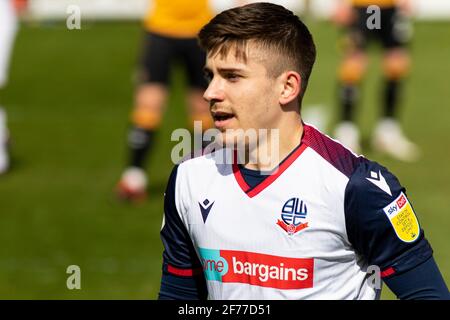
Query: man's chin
x=226, y=139
x=234, y=139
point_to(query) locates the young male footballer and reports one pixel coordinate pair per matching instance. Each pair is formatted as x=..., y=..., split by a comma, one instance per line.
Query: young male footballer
x=318, y=225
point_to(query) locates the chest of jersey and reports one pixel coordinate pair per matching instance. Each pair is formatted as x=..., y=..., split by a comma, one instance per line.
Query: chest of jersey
x=300, y=211
x=278, y=238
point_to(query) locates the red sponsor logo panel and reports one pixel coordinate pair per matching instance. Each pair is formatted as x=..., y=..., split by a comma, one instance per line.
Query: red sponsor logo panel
x=268, y=270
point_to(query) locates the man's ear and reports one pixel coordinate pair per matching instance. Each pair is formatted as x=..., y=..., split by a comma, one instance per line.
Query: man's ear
x=291, y=82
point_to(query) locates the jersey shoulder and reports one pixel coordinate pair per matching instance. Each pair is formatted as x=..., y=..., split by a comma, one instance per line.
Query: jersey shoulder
x=381, y=222
x=336, y=154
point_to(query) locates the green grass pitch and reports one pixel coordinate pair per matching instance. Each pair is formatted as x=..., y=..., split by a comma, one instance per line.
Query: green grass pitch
x=68, y=103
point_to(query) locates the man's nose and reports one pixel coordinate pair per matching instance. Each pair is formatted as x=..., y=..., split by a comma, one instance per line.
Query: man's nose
x=214, y=92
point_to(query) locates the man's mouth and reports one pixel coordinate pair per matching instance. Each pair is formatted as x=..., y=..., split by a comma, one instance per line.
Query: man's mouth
x=221, y=118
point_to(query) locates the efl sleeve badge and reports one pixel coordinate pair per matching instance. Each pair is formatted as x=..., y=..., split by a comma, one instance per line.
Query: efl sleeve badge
x=403, y=219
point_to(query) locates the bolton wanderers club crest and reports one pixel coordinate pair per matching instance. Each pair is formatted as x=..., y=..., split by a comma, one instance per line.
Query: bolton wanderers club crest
x=293, y=213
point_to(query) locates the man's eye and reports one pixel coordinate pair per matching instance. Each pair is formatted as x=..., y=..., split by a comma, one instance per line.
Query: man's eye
x=208, y=77
x=232, y=76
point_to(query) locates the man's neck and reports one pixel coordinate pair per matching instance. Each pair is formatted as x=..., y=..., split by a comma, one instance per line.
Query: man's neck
x=270, y=151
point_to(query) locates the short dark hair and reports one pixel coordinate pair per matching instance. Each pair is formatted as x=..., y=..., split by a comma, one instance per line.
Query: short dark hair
x=270, y=26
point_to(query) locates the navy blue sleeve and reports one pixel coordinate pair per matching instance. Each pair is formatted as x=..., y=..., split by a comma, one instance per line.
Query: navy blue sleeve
x=424, y=282
x=182, y=276
x=381, y=223
x=182, y=288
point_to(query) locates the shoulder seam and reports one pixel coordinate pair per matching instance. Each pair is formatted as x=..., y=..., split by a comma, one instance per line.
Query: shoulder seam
x=331, y=150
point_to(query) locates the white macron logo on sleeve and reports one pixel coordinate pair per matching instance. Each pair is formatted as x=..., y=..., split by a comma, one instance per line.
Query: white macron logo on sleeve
x=378, y=180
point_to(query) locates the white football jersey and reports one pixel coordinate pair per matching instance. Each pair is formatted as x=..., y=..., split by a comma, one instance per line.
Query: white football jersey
x=308, y=231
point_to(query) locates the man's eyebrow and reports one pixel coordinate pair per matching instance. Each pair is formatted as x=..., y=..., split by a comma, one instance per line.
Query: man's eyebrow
x=221, y=70
x=230, y=69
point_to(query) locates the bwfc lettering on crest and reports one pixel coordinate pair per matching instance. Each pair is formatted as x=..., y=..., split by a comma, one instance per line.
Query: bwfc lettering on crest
x=292, y=216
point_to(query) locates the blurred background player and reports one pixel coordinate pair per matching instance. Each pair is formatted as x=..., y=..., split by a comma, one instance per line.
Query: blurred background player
x=393, y=33
x=8, y=30
x=171, y=29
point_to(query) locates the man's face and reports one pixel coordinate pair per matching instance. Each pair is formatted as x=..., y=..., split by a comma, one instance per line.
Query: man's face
x=241, y=94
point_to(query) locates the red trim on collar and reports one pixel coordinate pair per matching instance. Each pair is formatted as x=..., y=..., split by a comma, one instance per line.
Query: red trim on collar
x=238, y=175
x=270, y=179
